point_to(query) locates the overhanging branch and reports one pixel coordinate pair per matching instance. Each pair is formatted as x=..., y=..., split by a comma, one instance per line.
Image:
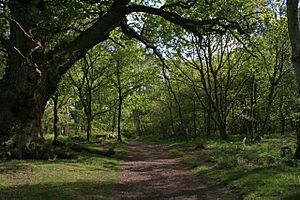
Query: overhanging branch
x=197, y=27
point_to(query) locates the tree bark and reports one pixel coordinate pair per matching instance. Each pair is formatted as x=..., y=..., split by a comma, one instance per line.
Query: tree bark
x=89, y=115
x=223, y=130
x=114, y=119
x=55, y=116
x=294, y=33
x=25, y=87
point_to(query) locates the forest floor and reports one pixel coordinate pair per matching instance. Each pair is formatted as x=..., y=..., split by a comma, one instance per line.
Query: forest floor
x=150, y=171
x=231, y=169
x=157, y=167
x=89, y=176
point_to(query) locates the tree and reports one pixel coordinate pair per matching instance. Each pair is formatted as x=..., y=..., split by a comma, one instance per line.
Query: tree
x=88, y=79
x=294, y=33
x=38, y=53
x=127, y=65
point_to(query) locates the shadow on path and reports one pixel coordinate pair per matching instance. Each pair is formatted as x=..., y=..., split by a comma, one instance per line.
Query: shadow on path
x=151, y=172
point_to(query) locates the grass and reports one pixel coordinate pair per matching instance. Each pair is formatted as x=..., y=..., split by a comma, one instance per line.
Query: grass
x=253, y=171
x=87, y=177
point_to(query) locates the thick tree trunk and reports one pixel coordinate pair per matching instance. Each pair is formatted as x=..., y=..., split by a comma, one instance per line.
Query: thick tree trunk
x=27, y=84
x=22, y=107
x=297, y=153
x=294, y=33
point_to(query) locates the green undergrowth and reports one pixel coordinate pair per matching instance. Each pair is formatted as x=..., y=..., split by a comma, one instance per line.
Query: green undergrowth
x=81, y=138
x=86, y=177
x=253, y=171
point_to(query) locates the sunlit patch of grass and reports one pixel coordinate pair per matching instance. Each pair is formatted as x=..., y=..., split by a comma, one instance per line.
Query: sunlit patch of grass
x=88, y=177
x=256, y=171
x=200, y=169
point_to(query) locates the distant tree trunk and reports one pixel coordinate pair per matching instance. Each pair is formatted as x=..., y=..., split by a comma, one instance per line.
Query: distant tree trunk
x=282, y=124
x=266, y=122
x=119, y=88
x=114, y=120
x=182, y=127
x=89, y=129
x=194, y=118
x=55, y=116
x=253, y=130
x=137, y=116
x=89, y=116
x=223, y=130
x=282, y=117
x=119, y=119
x=209, y=117
x=171, y=116
x=293, y=26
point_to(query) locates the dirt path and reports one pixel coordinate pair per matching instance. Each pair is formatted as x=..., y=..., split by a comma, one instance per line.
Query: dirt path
x=151, y=172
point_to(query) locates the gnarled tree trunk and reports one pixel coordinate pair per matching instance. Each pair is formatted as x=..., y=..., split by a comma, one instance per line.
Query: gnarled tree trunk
x=25, y=87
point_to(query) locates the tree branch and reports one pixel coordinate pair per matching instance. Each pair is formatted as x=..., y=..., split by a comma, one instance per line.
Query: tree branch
x=116, y=42
x=97, y=33
x=217, y=25
x=182, y=4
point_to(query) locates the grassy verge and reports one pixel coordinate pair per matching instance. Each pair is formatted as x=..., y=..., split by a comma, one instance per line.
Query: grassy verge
x=87, y=177
x=254, y=171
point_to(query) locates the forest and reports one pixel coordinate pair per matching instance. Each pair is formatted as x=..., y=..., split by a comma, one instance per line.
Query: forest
x=97, y=94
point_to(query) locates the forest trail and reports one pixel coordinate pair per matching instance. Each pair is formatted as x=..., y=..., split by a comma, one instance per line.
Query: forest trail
x=151, y=172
